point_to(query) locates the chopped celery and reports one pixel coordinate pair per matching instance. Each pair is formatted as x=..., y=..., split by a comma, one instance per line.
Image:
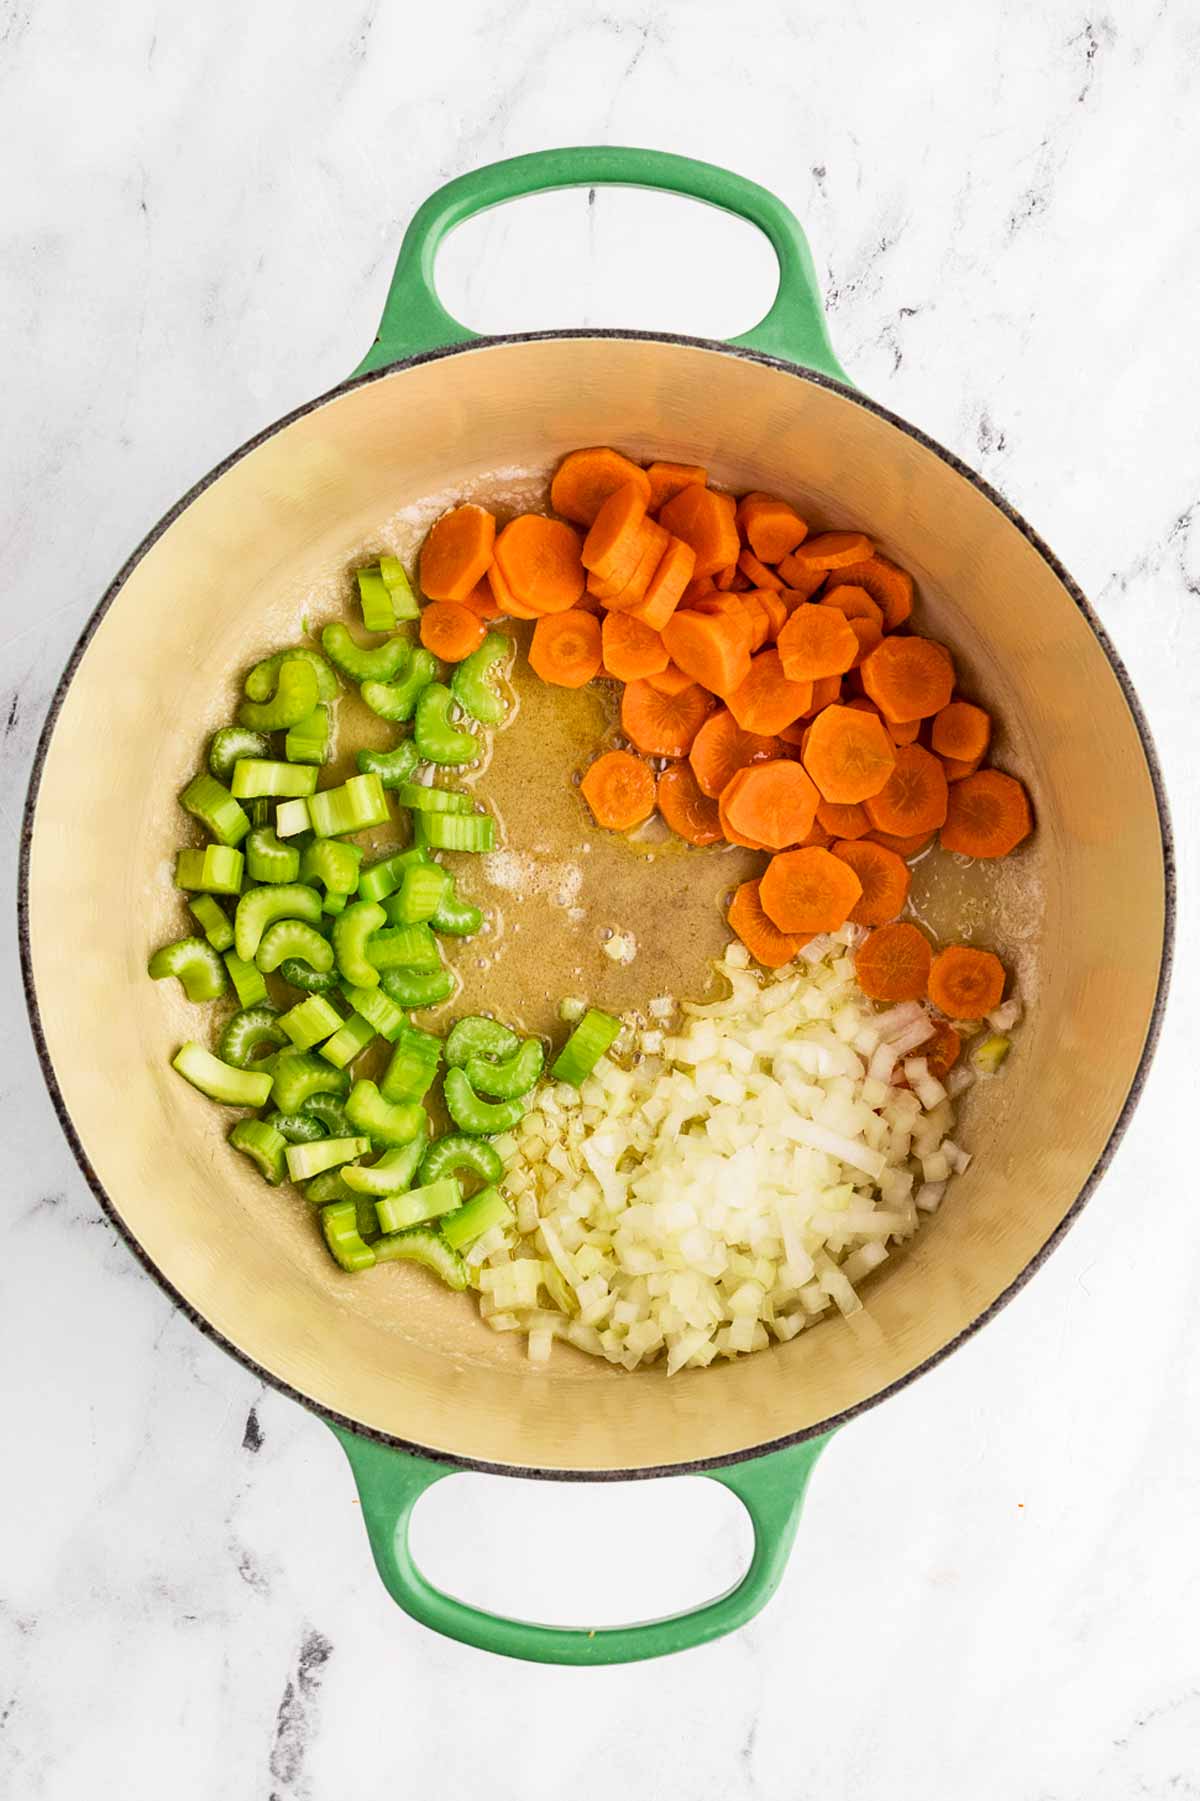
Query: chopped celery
x=254, y=776
x=269, y=861
x=308, y=740
x=434, y=800
x=380, y=879
x=230, y=744
x=310, y=1020
x=354, y=1035
x=247, y=980
x=359, y=803
x=454, y=917
x=458, y=831
x=291, y=818
x=290, y=941
x=260, y=1141
x=397, y=701
x=480, y=1214
x=416, y=1205
x=374, y=595
x=456, y=1151
x=263, y=679
x=262, y=906
x=220, y=1082
x=391, y=1172
x=297, y=1076
x=200, y=970
x=382, y=664
x=417, y=987
x=298, y=1128
x=209, y=801
x=988, y=1056
x=421, y=894
x=387, y=1018
x=339, y=1223
x=404, y=602
x=436, y=739
x=330, y=1185
x=214, y=920
x=214, y=870
x=472, y=683
x=295, y=697
x=476, y=1036
x=332, y=864
x=333, y=903
x=403, y=947
x=351, y=930
x=391, y=766
x=471, y=1114
x=328, y=1111
x=419, y=1245
x=298, y=972
x=247, y=1032
x=385, y=1122
x=508, y=1080
x=593, y=1035
x=305, y=1160
x=413, y=1065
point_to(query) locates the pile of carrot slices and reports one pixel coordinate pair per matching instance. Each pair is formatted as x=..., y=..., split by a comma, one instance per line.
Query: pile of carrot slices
x=772, y=675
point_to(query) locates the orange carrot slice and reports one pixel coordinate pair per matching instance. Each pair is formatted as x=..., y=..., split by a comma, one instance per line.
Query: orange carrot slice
x=766, y=701
x=691, y=815
x=843, y=820
x=451, y=630
x=832, y=550
x=988, y=815
x=619, y=789
x=703, y=519
x=566, y=648
x=506, y=601
x=757, y=573
x=914, y=797
x=771, y=527
x=666, y=480
x=613, y=545
x=826, y=693
x=889, y=587
x=909, y=678
x=816, y=641
x=765, y=942
x=631, y=650
x=713, y=649
x=848, y=754
x=961, y=731
x=965, y=983
x=908, y=845
x=457, y=552
x=800, y=584
x=905, y=731
x=663, y=725
x=666, y=586
x=584, y=480
x=671, y=681
x=771, y=804
x=720, y=748
x=854, y=603
x=893, y=963
x=809, y=891
x=539, y=559
x=482, y=601
x=652, y=542
x=885, y=879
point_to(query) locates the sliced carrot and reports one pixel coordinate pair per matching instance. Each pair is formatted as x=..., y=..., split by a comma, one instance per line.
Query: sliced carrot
x=539, y=559
x=909, y=678
x=739, y=583
x=893, y=963
x=957, y=770
x=771, y=804
x=584, y=480
x=663, y=725
x=666, y=586
x=889, y=587
x=631, y=650
x=843, y=820
x=771, y=527
x=825, y=693
x=712, y=649
x=772, y=603
x=809, y=891
x=622, y=566
x=848, y=755
x=854, y=603
x=613, y=544
x=797, y=735
x=482, y=601
x=671, y=681
x=904, y=731
x=690, y=814
x=652, y=542
x=906, y=845
x=703, y=519
x=724, y=578
x=566, y=648
x=759, y=618
x=832, y=550
x=869, y=635
x=988, y=815
x=765, y=942
x=885, y=879
x=961, y=731
x=451, y=630
x=457, y=552
x=941, y=1052
x=817, y=838
x=965, y=983
x=816, y=641
x=619, y=789
x=721, y=748
x=698, y=587
x=666, y=479
x=506, y=600
x=757, y=573
x=728, y=829
x=914, y=797
x=766, y=701
x=799, y=583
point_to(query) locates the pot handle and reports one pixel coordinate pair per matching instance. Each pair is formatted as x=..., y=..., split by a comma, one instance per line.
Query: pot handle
x=391, y=1482
x=414, y=319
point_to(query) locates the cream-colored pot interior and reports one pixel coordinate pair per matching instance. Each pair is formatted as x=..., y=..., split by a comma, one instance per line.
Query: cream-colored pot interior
x=234, y=571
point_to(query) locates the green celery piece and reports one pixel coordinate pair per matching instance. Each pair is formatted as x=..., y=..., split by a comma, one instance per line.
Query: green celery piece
x=578, y=1057
x=351, y=930
x=214, y=870
x=458, y=831
x=397, y=701
x=294, y=699
x=247, y=1032
x=200, y=970
x=416, y=1205
x=476, y=1036
x=393, y=767
x=310, y=1021
x=330, y=1186
x=255, y=776
x=305, y=1160
x=262, y=906
x=328, y=1111
x=472, y=683
x=220, y=1082
x=354, y=1035
x=480, y=1214
x=334, y=865
x=436, y=739
x=384, y=1122
x=334, y=903
x=434, y=800
x=404, y=602
x=508, y=1080
x=247, y=980
x=308, y=740
x=298, y=1128
x=359, y=803
x=375, y=1006
x=260, y=1141
x=269, y=861
x=214, y=920
x=454, y=917
x=339, y=1223
x=471, y=1114
x=300, y=974
x=230, y=744
x=456, y=1151
x=417, y=987
x=413, y=1065
x=298, y=1075
x=209, y=801
x=380, y=879
x=290, y=941
x=382, y=664
x=401, y=947
x=375, y=599
x=391, y=1172
x=422, y=892
x=419, y=1245
x=263, y=679
x=291, y=818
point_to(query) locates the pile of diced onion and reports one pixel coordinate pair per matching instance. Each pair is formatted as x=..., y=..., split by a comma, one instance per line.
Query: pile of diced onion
x=728, y=1175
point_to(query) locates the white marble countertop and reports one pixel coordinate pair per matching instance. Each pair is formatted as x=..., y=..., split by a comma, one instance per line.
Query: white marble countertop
x=994, y=1590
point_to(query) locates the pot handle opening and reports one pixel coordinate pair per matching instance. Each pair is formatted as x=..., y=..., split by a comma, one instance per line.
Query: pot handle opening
x=414, y=319
x=391, y=1482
